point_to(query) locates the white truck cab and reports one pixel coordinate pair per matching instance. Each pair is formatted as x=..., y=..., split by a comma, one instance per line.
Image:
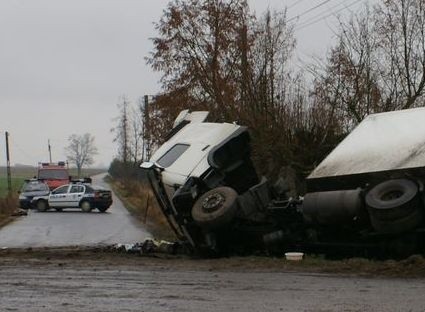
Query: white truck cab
x=198, y=173
x=186, y=154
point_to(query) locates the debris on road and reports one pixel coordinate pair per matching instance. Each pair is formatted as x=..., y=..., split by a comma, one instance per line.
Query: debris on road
x=150, y=246
x=19, y=212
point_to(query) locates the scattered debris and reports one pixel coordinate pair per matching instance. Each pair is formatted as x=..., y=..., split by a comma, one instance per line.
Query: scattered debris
x=150, y=246
x=294, y=256
x=19, y=212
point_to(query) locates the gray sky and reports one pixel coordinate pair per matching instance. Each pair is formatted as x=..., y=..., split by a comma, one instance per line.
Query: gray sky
x=64, y=64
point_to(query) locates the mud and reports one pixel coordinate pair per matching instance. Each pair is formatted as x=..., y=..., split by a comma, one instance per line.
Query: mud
x=92, y=280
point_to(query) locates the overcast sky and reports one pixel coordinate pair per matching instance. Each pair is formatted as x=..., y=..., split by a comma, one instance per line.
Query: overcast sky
x=64, y=64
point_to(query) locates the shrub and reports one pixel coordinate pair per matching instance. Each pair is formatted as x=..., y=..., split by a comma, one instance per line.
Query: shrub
x=7, y=206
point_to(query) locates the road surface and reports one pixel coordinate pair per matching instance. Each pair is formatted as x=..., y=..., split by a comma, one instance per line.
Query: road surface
x=141, y=284
x=74, y=227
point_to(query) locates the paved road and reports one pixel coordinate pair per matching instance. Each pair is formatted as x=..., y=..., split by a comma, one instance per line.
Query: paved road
x=49, y=285
x=73, y=227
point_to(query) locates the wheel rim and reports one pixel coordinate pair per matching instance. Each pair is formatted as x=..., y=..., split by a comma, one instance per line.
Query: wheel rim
x=213, y=202
x=391, y=195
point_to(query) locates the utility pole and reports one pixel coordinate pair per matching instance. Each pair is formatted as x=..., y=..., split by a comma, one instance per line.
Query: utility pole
x=147, y=129
x=9, y=176
x=50, y=150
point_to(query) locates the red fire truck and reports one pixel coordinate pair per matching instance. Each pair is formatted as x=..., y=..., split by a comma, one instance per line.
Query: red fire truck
x=54, y=174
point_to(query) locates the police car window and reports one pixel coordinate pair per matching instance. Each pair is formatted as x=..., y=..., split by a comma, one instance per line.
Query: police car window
x=76, y=189
x=34, y=186
x=89, y=189
x=61, y=190
x=172, y=155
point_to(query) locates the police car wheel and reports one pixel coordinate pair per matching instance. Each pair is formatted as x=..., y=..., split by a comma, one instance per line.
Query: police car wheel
x=85, y=206
x=42, y=205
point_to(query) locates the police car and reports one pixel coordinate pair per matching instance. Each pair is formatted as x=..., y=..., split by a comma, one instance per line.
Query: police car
x=31, y=189
x=75, y=195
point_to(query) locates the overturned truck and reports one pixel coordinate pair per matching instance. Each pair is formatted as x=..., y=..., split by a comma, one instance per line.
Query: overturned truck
x=365, y=198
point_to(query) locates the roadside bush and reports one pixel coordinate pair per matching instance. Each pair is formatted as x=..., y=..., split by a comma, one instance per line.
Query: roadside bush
x=7, y=206
x=126, y=170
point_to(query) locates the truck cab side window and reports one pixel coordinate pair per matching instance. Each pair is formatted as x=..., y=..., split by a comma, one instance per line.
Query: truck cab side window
x=172, y=155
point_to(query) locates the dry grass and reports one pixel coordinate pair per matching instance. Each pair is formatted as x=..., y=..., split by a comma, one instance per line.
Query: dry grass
x=141, y=203
x=7, y=206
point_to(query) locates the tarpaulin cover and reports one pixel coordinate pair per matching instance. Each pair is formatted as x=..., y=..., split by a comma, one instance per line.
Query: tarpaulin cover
x=385, y=141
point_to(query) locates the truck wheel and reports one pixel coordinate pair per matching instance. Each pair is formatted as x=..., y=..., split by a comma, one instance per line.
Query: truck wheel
x=215, y=208
x=42, y=205
x=393, y=199
x=398, y=226
x=85, y=206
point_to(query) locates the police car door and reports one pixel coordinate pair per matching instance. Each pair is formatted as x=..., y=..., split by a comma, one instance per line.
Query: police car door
x=58, y=197
x=75, y=195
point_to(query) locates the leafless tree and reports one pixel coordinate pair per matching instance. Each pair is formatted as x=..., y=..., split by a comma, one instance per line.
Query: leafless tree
x=122, y=130
x=81, y=151
x=347, y=86
x=378, y=63
x=401, y=27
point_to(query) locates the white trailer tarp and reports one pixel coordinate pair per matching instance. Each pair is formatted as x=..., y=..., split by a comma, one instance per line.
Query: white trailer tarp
x=385, y=141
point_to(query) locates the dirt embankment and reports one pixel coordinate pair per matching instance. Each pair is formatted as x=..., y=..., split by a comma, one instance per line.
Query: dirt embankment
x=412, y=267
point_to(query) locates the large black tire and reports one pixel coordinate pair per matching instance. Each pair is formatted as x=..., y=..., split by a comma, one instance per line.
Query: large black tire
x=394, y=206
x=401, y=225
x=393, y=199
x=215, y=208
x=42, y=205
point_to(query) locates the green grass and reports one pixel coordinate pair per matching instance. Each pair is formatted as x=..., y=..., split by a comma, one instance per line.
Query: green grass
x=16, y=185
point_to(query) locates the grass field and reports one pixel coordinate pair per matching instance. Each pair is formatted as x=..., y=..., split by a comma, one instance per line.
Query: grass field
x=19, y=174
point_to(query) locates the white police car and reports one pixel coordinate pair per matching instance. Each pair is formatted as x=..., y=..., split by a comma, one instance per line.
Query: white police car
x=75, y=195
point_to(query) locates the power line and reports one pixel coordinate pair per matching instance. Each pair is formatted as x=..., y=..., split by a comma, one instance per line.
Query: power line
x=328, y=15
x=324, y=12
x=309, y=10
x=295, y=3
x=28, y=156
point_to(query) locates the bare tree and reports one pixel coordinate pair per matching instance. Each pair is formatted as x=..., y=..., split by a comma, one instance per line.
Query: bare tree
x=378, y=63
x=347, y=86
x=136, y=132
x=81, y=150
x=122, y=130
x=401, y=27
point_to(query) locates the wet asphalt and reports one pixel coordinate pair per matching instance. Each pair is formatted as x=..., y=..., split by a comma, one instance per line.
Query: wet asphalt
x=72, y=227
